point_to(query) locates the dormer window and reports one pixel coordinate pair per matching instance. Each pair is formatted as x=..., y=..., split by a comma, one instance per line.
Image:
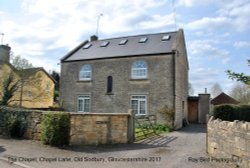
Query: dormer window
x=105, y=44
x=85, y=73
x=86, y=46
x=143, y=40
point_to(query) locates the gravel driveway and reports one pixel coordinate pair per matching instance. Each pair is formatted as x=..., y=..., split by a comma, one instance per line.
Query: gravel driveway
x=184, y=148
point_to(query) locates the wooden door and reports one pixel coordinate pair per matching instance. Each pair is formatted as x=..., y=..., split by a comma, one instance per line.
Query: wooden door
x=193, y=111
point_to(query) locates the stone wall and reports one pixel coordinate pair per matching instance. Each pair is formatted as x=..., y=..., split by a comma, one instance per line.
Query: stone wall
x=87, y=128
x=94, y=129
x=229, y=140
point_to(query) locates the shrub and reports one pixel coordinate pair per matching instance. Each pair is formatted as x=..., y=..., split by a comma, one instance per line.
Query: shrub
x=162, y=128
x=231, y=112
x=13, y=121
x=55, y=128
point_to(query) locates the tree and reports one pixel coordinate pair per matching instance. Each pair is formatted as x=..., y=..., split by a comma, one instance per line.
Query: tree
x=10, y=86
x=20, y=63
x=216, y=90
x=241, y=77
x=241, y=93
x=190, y=89
x=56, y=76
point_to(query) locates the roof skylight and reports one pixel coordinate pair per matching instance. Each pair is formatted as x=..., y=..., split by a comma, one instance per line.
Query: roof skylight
x=86, y=46
x=105, y=44
x=165, y=38
x=123, y=42
x=143, y=40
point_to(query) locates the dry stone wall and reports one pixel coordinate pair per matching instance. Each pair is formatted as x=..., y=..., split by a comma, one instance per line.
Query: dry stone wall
x=87, y=128
x=229, y=141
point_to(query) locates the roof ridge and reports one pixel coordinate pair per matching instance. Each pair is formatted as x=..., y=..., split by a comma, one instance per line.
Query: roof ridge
x=150, y=34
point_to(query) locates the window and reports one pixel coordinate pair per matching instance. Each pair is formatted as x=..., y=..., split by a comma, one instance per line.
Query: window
x=109, y=84
x=143, y=40
x=105, y=44
x=166, y=38
x=83, y=103
x=139, y=70
x=29, y=94
x=123, y=42
x=86, y=46
x=47, y=87
x=85, y=72
x=139, y=105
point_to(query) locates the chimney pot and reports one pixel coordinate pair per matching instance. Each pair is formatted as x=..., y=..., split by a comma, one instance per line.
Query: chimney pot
x=93, y=38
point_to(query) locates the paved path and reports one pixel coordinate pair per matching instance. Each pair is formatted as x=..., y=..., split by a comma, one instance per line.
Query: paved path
x=184, y=148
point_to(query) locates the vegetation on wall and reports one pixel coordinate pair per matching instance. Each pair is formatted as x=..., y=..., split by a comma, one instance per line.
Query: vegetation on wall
x=9, y=87
x=13, y=122
x=167, y=114
x=55, y=128
x=229, y=112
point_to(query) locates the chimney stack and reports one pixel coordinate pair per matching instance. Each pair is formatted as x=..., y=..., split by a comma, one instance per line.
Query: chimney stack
x=93, y=38
x=5, y=53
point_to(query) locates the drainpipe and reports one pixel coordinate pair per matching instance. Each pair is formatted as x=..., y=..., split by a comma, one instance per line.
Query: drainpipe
x=174, y=82
x=21, y=94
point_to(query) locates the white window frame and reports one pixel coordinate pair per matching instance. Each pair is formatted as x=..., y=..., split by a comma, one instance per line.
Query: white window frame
x=85, y=73
x=139, y=99
x=83, y=98
x=138, y=72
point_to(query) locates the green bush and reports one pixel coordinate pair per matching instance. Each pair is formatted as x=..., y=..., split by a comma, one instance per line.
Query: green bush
x=162, y=128
x=55, y=128
x=229, y=112
x=13, y=121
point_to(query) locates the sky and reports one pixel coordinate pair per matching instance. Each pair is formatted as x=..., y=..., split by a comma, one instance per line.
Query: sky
x=216, y=32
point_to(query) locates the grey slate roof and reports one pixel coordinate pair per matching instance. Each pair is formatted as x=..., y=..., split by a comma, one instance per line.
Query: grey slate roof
x=153, y=45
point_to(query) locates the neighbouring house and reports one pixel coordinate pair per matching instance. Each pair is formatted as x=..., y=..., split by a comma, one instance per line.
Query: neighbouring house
x=223, y=98
x=146, y=73
x=35, y=86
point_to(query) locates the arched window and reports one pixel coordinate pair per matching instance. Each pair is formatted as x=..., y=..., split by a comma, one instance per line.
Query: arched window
x=139, y=70
x=85, y=72
x=109, y=84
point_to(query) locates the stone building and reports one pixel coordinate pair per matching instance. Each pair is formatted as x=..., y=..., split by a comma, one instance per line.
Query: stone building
x=146, y=73
x=35, y=87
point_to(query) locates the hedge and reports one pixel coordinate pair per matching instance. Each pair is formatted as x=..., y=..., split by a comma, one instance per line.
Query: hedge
x=13, y=121
x=55, y=128
x=229, y=112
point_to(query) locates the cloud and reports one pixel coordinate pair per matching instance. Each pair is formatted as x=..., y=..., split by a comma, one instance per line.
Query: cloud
x=209, y=23
x=191, y=3
x=231, y=15
x=242, y=44
x=202, y=78
x=208, y=49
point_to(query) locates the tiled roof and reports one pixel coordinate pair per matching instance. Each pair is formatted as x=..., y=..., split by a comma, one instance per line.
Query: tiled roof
x=223, y=98
x=110, y=48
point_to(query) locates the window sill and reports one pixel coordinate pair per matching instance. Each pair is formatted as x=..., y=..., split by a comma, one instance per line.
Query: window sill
x=84, y=81
x=109, y=93
x=142, y=79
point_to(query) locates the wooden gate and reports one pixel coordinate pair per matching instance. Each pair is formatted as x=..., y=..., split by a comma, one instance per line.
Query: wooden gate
x=144, y=126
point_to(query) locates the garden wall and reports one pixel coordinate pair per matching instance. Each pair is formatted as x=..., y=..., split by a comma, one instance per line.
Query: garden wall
x=229, y=140
x=85, y=128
